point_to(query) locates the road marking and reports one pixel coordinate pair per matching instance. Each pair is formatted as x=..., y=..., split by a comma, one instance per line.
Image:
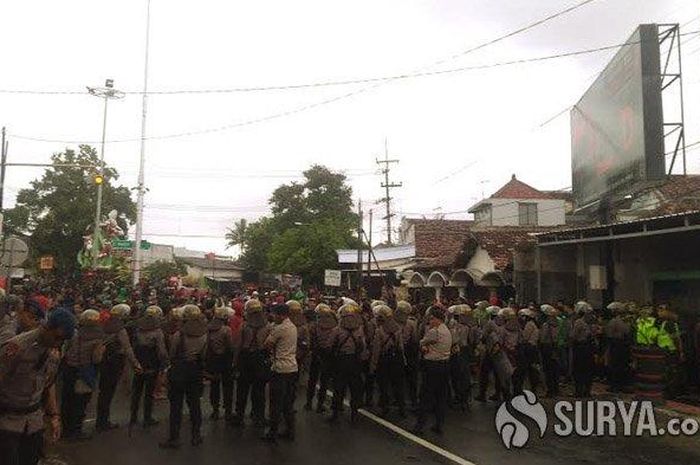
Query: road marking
x=412, y=437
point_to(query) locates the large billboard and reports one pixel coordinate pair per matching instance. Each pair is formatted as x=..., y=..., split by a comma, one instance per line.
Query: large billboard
x=617, y=136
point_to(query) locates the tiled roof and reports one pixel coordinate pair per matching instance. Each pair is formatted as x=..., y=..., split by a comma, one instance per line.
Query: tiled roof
x=516, y=189
x=500, y=243
x=439, y=242
x=680, y=194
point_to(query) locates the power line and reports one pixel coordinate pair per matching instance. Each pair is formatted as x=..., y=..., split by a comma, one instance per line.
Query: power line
x=333, y=99
x=345, y=82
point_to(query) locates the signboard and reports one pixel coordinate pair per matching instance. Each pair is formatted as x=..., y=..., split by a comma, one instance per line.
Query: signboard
x=14, y=252
x=332, y=278
x=617, y=136
x=46, y=263
x=122, y=244
x=126, y=244
x=211, y=256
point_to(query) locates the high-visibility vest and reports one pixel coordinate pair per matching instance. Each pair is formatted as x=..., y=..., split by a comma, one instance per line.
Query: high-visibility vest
x=665, y=339
x=646, y=331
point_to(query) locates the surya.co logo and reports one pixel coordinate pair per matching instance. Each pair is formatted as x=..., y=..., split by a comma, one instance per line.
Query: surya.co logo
x=513, y=432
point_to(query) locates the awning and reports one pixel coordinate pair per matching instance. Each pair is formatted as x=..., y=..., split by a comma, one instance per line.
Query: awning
x=643, y=227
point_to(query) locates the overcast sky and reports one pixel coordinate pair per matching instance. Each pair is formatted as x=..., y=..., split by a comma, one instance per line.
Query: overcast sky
x=487, y=120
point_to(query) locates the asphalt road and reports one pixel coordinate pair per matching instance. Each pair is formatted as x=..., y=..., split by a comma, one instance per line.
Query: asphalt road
x=469, y=438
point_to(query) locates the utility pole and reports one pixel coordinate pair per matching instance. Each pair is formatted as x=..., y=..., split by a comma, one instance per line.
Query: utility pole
x=107, y=92
x=387, y=186
x=141, y=188
x=2, y=171
x=369, y=245
x=359, y=249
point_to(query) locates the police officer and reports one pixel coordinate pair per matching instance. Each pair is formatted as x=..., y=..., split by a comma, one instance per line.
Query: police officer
x=296, y=316
x=348, y=345
x=219, y=363
x=150, y=351
x=528, y=354
x=436, y=347
x=409, y=332
x=389, y=360
x=117, y=350
x=28, y=366
x=370, y=329
x=619, y=341
x=253, y=364
x=490, y=349
x=8, y=308
x=321, y=367
x=83, y=356
x=460, y=357
x=582, y=342
x=282, y=343
x=549, y=351
x=186, y=375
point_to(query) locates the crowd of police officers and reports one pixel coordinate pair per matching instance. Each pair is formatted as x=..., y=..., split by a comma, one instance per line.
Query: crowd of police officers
x=422, y=361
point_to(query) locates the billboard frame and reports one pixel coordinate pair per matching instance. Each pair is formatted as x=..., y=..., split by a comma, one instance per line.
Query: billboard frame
x=672, y=34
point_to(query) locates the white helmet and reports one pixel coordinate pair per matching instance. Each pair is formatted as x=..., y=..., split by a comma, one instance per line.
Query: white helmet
x=89, y=317
x=120, y=311
x=191, y=312
x=154, y=311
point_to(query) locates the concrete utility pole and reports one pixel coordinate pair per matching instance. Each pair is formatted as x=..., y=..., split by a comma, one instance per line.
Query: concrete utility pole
x=107, y=92
x=359, y=249
x=387, y=186
x=141, y=188
x=3, y=147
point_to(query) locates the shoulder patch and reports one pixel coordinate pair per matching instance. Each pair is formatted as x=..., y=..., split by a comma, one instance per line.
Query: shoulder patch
x=10, y=351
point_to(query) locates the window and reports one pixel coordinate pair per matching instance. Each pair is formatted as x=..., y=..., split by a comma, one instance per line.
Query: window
x=483, y=215
x=527, y=214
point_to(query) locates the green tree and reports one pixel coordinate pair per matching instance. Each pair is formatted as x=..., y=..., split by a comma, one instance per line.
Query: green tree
x=237, y=234
x=309, y=221
x=57, y=210
x=161, y=270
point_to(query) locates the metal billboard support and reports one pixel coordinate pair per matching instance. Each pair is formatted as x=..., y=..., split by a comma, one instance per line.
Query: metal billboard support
x=671, y=34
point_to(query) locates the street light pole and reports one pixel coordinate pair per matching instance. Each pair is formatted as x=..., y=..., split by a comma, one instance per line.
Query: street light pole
x=107, y=92
x=141, y=189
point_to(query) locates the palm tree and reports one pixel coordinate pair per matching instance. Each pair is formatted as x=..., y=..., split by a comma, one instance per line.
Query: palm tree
x=237, y=234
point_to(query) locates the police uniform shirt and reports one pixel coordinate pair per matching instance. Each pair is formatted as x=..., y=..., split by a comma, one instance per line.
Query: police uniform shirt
x=617, y=329
x=438, y=342
x=531, y=334
x=153, y=337
x=220, y=340
x=26, y=369
x=8, y=329
x=283, y=342
x=189, y=348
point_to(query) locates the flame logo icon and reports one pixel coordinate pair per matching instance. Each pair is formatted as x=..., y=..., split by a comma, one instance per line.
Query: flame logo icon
x=513, y=432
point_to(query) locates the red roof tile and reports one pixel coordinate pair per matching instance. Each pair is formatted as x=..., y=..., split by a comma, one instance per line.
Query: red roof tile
x=439, y=242
x=516, y=189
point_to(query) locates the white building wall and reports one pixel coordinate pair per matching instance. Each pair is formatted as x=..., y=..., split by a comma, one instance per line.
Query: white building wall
x=505, y=212
x=481, y=261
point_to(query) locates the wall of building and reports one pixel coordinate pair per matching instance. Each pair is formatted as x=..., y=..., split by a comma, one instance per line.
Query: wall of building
x=481, y=261
x=653, y=269
x=505, y=212
x=158, y=252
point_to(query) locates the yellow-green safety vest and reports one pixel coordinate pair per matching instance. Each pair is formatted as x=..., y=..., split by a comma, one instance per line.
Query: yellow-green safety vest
x=665, y=339
x=646, y=331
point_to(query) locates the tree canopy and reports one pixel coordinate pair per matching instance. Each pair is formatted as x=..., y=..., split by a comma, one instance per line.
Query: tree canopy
x=57, y=209
x=309, y=221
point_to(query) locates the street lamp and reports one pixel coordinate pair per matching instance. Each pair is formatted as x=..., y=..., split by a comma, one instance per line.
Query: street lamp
x=107, y=92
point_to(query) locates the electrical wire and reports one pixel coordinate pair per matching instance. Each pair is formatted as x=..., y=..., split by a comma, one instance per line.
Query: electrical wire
x=325, y=101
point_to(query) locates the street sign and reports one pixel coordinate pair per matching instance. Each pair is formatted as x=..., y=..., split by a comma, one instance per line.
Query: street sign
x=126, y=244
x=122, y=244
x=46, y=263
x=332, y=278
x=14, y=252
x=211, y=256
